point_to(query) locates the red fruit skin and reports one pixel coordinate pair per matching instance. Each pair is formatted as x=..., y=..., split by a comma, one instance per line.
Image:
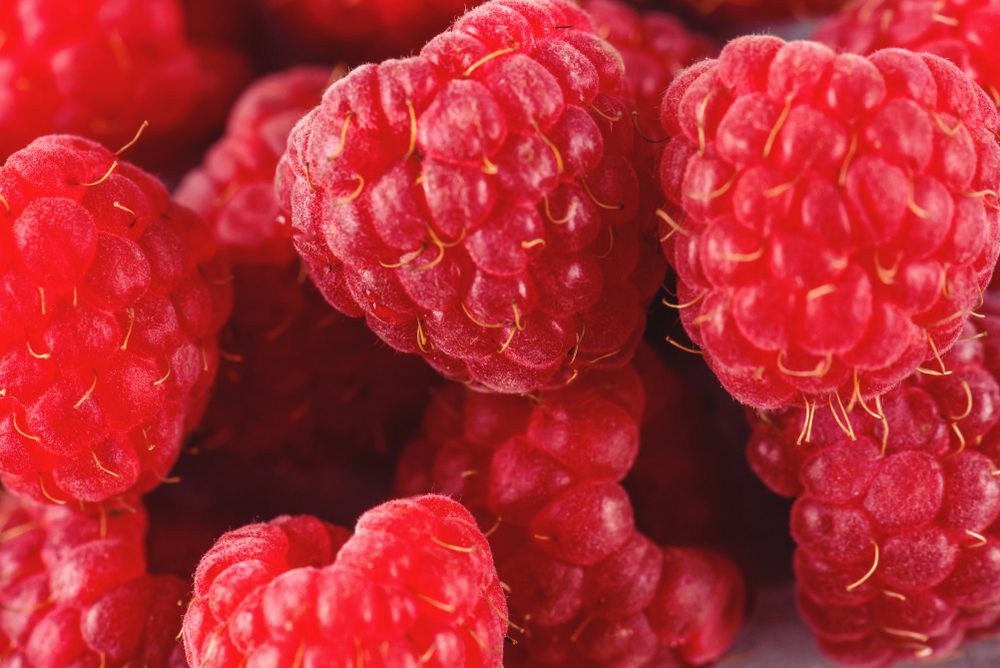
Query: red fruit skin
x=960, y=30
x=542, y=477
x=102, y=68
x=898, y=554
x=830, y=228
x=365, y=29
x=286, y=380
x=415, y=585
x=655, y=46
x=486, y=213
x=76, y=591
x=112, y=300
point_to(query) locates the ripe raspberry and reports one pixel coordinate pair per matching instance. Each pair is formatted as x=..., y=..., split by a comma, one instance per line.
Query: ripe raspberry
x=960, y=30
x=655, y=47
x=75, y=590
x=897, y=529
x=586, y=588
x=102, y=67
x=478, y=203
x=363, y=29
x=111, y=303
x=838, y=221
x=415, y=585
x=288, y=379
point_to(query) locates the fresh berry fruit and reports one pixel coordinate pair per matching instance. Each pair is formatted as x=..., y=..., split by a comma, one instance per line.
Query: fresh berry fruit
x=296, y=373
x=748, y=10
x=111, y=303
x=75, y=590
x=960, y=30
x=896, y=517
x=655, y=47
x=363, y=29
x=414, y=586
x=102, y=68
x=542, y=475
x=832, y=218
x=478, y=203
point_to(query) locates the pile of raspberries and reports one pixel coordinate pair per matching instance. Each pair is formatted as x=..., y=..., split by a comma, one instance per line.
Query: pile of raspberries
x=442, y=271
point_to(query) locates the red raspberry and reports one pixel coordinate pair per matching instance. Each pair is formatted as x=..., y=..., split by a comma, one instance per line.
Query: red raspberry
x=743, y=10
x=838, y=218
x=111, y=303
x=478, y=203
x=102, y=68
x=655, y=47
x=75, y=590
x=414, y=586
x=897, y=528
x=287, y=379
x=586, y=588
x=960, y=30
x=360, y=29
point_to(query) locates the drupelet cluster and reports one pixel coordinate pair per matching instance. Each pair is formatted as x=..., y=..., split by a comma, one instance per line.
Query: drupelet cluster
x=832, y=219
x=478, y=204
x=542, y=475
x=111, y=300
x=414, y=586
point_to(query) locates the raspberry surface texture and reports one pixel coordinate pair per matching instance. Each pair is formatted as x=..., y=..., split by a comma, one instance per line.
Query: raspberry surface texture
x=898, y=552
x=359, y=29
x=76, y=592
x=414, y=586
x=101, y=68
x=655, y=47
x=586, y=590
x=111, y=299
x=962, y=31
x=296, y=372
x=832, y=219
x=479, y=204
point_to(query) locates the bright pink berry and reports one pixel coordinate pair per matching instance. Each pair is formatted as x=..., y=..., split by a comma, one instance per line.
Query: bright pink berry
x=897, y=512
x=830, y=217
x=655, y=47
x=111, y=303
x=103, y=68
x=414, y=586
x=75, y=590
x=960, y=30
x=542, y=476
x=360, y=29
x=479, y=203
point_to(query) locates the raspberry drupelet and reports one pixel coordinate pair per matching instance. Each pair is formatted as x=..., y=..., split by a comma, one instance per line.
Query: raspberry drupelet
x=104, y=67
x=832, y=219
x=479, y=204
x=414, y=586
x=960, y=30
x=75, y=590
x=541, y=474
x=897, y=529
x=111, y=299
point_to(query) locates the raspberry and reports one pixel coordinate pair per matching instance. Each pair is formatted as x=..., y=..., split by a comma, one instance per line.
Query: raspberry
x=287, y=379
x=75, y=590
x=959, y=30
x=897, y=529
x=838, y=219
x=655, y=47
x=478, y=203
x=360, y=29
x=111, y=302
x=743, y=10
x=102, y=69
x=415, y=585
x=585, y=588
